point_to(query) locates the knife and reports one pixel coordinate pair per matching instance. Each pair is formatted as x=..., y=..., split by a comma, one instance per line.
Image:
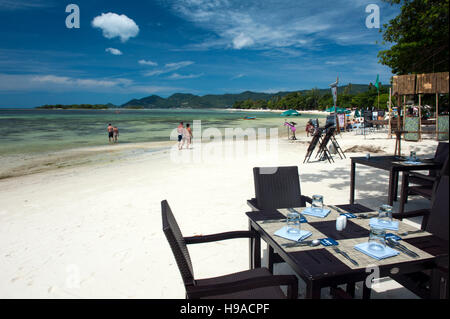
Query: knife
x=343, y=253
x=393, y=244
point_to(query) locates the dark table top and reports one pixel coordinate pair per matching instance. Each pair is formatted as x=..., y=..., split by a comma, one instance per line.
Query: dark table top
x=323, y=263
x=397, y=162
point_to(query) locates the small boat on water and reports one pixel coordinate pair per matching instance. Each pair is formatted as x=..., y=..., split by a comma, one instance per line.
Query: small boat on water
x=249, y=118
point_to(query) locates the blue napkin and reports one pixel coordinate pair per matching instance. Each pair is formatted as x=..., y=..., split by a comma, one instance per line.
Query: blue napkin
x=379, y=255
x=295, y=237
x=324, y=213
x=393, y=236
x=393, y=225
x=412, y=163
x=303, y=220
x=328, y=242
x=349, y=215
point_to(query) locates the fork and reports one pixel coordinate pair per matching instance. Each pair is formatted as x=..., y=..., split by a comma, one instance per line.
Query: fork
x=406, y=233
x=343, y=253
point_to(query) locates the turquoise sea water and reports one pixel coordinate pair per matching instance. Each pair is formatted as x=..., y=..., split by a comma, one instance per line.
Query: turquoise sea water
x=36, y=131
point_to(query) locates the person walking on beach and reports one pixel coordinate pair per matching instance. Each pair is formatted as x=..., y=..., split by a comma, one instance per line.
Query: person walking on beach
x=111, y=133
x=116, y=134
x=187, y=136
x=180, y=131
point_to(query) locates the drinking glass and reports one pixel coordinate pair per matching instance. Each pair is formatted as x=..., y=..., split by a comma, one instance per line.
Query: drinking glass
x=317, y=203
x=385, y=214
x=293, y=222
x=377, y=239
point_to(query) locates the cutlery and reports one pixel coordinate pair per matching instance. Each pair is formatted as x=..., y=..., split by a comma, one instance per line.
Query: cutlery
x=310, y=243
x=343, y=253
x=367, y=216
x=273, y=221
x=411, y=232
x=394, y=244
x=338, y=209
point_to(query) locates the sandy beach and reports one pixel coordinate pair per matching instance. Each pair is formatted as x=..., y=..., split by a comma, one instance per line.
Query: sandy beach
x=94, y=230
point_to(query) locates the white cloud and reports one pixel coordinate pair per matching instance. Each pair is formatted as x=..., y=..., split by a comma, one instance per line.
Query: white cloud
x=22, y=4
x=114, y=25
x=147, y=62
x=242, y=41
x=170, y=67
x=114, y=51
x=49, y=82
x=55, y=83
x=274, y=24
x=239, y=76
x=177, y=76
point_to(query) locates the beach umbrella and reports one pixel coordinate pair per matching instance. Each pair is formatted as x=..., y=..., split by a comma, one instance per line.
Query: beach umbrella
x=337, y=110
x=290, y=113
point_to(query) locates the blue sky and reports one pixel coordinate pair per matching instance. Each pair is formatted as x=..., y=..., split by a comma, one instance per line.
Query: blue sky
x=131, y=49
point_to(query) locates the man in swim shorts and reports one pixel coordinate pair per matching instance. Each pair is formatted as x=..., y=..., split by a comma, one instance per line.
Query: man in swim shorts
x=111, y=133
x=180, y=131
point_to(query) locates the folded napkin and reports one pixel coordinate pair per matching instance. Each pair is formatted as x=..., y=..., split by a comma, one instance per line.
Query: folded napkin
x=295, y=237
x=412, y=163
x=393, y=225
x=322, y=214
x=383, y=254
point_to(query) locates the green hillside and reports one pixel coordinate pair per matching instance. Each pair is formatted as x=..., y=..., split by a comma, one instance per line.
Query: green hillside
x=182, y=100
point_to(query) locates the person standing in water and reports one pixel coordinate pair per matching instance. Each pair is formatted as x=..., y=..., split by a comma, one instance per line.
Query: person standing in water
x=187, y=136
x=180, y=131
x=116, y=134
x=111, y=133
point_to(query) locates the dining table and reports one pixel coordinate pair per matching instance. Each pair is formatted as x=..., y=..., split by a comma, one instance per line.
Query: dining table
x=323, y=266
x=394, y=165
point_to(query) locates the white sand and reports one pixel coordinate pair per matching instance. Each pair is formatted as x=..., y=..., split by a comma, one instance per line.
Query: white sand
x=94, y=231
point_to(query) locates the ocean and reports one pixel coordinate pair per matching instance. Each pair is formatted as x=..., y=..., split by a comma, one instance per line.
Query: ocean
x=27, y=137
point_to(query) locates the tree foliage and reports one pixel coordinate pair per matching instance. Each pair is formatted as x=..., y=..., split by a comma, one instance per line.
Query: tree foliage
x=314, y=100
x=420, y=35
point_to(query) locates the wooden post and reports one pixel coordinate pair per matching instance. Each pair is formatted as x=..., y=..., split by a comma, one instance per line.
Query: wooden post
x=398, y=113
x=420, y=117
x=390, y=113
x=404, y=112
x=437, y=117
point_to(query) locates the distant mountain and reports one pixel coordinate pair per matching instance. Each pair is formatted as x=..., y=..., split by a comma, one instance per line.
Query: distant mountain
x=181, y=100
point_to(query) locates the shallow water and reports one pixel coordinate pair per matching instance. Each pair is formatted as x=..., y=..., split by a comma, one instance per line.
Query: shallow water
x=39, y=131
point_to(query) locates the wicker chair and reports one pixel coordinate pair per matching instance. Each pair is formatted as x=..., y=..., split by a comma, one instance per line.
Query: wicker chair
x=432, y=284
x=426, y=189
x=277, y=188
x=251, y=284
x=440, y=157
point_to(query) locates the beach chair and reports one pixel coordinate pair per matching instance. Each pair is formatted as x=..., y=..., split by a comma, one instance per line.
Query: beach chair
x=440, y=156
x=323, y=152
x=337, y=147
x=255, y=284
x=316, y=140
x=432, y=283
x=426, y=189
